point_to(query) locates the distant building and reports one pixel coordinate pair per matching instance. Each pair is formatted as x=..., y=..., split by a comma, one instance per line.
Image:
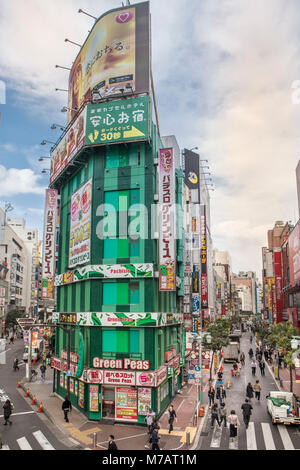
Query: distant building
x=247, y=279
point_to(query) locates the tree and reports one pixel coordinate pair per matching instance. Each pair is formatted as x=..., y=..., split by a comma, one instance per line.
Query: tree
x=233, y=321
x=11, y=319
x=219, y=337
x=280, y=336
x=261, y=330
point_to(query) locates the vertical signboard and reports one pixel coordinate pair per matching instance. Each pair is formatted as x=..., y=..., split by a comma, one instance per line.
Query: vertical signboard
x=204, y=281
x=80, y=229
x=48, y=263
x=167, y=236
x=294, y=254
x=278, y=284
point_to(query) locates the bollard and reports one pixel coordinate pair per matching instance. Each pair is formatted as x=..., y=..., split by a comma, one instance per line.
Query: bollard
x=188, y=438
x=95, y=440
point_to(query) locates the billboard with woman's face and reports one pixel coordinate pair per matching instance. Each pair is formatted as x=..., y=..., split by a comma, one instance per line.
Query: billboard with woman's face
x=116, y=54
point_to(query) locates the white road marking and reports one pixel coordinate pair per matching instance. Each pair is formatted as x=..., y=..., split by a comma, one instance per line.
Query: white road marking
x=268, y=438
x=44, y=443
x=24, y=444
x=216, y=437
x=251, y=440
x=5, y=447
x=288, y=445
x=234, y=444
x=19, y=414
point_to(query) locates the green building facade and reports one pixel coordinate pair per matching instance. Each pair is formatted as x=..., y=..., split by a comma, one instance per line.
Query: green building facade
x=124, y=350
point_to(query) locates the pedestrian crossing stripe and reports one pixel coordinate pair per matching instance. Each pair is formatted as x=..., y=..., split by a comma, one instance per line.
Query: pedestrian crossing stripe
x=24, y=444
x=182, y=434
x=251, y=437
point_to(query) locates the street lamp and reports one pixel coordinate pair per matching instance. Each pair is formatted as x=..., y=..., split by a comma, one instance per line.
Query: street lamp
x=55, y=126
x=45, y=170
x=60, y=89
x=68, y=40
x=44, y=142
x=41, y=159
x=87, y=14
x=60, y=67
x=65, y=109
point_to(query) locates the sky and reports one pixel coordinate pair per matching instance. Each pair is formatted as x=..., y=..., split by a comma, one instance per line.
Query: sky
x=226, y=74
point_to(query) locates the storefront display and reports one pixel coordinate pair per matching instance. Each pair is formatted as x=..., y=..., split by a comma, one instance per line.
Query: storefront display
x=81, y=395
x=126, y=404
x=144, y=400
x=94, y=401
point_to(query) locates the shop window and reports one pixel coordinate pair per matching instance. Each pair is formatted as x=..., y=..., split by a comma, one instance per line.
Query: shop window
x=119, y=156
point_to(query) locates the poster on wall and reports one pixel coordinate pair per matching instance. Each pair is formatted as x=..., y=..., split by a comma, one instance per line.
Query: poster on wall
x=167, y=235
x=126, y=404
x=144, y=400
x=76, y=389
x=62, y=380
x=81, y=395
x=203, y=238
x=72, y=385
x=80, y=228
x=94, y=400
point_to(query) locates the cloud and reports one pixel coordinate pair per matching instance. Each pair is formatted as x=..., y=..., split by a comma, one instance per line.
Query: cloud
x=15, y=181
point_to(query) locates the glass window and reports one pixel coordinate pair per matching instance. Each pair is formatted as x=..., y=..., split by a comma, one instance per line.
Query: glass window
x=109, y=341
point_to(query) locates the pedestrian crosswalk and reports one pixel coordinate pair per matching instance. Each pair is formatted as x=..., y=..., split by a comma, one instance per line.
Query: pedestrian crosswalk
x=258, y=436
x=36, y=441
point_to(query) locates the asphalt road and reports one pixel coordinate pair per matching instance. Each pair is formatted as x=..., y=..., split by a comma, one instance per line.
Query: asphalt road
x=261, y=433
x=29, y=431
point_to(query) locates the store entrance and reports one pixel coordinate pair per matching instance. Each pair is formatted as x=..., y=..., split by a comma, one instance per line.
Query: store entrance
x=108, y=403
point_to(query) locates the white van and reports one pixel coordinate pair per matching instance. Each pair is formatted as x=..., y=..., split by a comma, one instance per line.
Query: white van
x=35, y=352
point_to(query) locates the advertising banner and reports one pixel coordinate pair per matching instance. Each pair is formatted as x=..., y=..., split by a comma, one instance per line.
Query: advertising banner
x=68, y=147
x=278, y=283
x=115, y=57
x=196, y=303
x=294, y=254
x=204, y=281
x=126, y=404
x=205, y=360
x=297, y=370
x=144, y=401
x=80, y=228
x=48, y=261
x=94, y=398
x=192, y=178
x=118, y=121
x=112, y=271
x=167, y=236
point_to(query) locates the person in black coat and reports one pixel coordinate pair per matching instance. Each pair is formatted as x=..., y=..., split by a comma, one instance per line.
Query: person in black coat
x=249, y=391
x=155, y=438
x=172, y=416
x=112, y=446
x=66, y=407
x=247, y=410
x=7, y=407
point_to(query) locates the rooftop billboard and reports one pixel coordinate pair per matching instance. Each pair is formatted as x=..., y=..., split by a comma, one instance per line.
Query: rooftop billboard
x=115, y=54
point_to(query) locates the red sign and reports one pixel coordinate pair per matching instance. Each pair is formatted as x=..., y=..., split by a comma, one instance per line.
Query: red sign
x=278, y=284
x=169, y=355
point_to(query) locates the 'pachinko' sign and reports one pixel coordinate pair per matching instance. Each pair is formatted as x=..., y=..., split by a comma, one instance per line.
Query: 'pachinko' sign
x=204, y=281
x=49, y=244
x=80, y=230
x=167, y=237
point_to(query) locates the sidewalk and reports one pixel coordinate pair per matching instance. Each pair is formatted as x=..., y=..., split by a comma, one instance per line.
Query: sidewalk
x=284, y=383
x=80, y=431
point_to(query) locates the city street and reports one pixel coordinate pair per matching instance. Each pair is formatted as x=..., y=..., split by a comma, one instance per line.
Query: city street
x=261, y=433
x=29, y=431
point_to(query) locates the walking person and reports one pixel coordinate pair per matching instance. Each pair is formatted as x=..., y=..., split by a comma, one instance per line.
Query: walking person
x=150, y=420
x=250, y=352
x=221, y=394
x=249, y=391
x=214, y=414
x=257, y=390
x=66, y=407
x=112, y=446
x=262, y=366
x=247, y=410
x=242, y=358
x=223, y=415
x=155, y=438
x=211, y=395
x=43, y=369
x=234, y=424
x=172, y=416
x=16, y=364
x=253, y=367
x=7, y=407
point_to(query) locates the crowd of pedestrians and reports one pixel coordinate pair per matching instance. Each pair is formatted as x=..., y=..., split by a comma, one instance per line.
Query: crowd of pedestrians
x=217, y=396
